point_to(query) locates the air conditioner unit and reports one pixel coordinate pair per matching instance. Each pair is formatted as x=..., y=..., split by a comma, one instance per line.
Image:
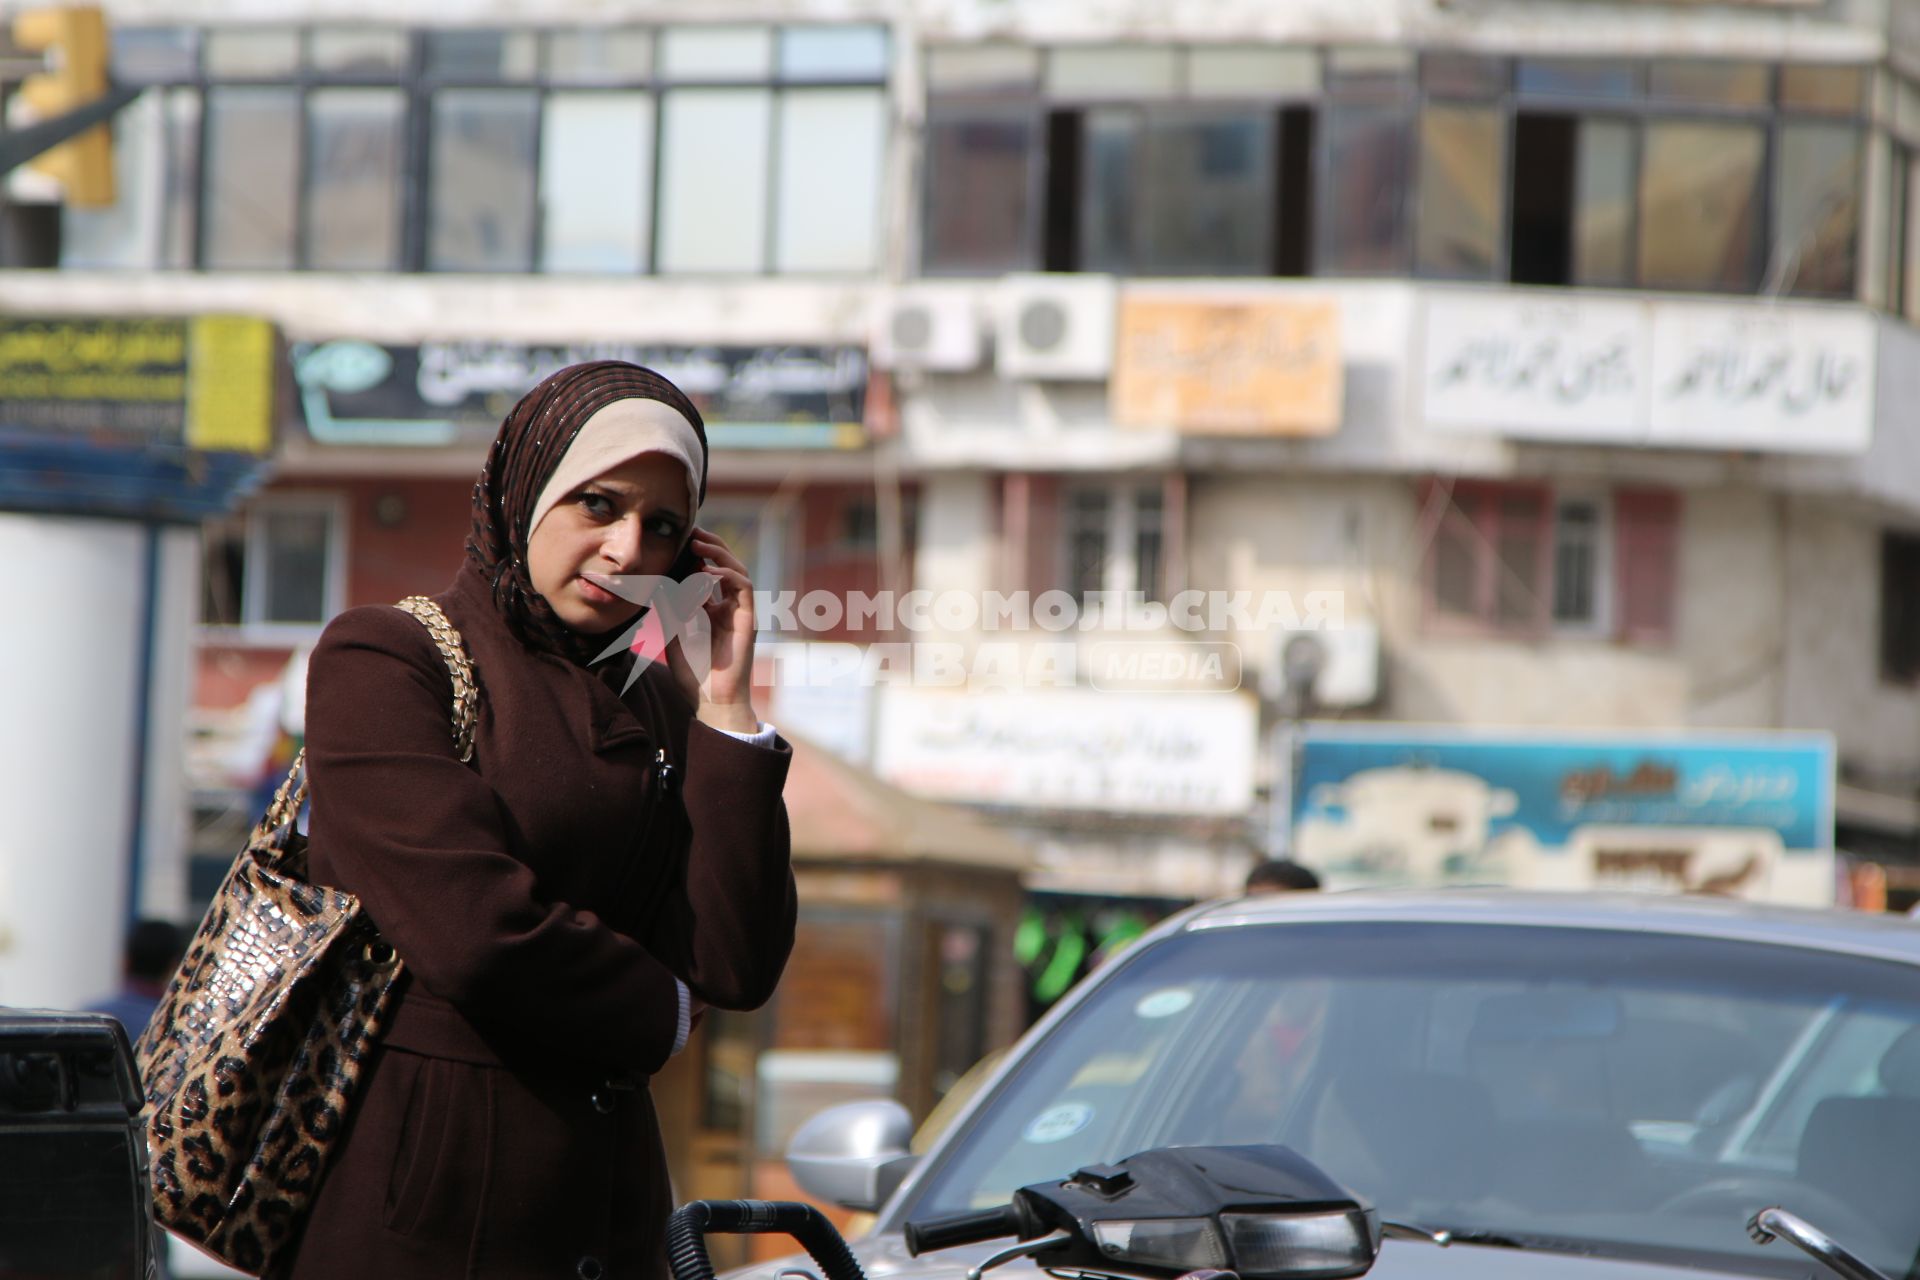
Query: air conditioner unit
x=927, y=327
x=1056, y=327
x=1348, y=662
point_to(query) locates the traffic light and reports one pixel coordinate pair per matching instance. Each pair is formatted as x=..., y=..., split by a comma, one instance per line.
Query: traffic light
x=74, y=40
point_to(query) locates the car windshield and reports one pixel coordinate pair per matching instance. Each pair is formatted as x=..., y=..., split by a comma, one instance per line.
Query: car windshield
x=1610, y=1092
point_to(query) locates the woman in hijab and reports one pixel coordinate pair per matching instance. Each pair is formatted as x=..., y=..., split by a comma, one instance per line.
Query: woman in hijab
x=613, y=857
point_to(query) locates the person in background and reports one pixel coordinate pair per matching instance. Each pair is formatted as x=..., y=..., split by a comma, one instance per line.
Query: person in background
x=153, y=948
x=1281, y=875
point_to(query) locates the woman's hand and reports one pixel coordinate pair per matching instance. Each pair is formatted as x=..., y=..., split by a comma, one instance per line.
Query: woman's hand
x=724, y=698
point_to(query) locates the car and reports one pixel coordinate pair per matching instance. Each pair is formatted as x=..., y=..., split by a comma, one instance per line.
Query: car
x=1572, y=1086
x=75, y=1195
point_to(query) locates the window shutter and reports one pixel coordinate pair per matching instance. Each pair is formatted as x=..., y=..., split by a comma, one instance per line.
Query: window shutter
x=1646, y=555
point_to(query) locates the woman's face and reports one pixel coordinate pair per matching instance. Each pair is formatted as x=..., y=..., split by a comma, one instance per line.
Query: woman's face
x=630, y=520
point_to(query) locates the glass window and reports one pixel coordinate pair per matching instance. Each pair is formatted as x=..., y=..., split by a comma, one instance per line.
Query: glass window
x=253, y=150
x=355, y=140
x=1364, y=189
x=1812, y=88
x=717, y=53
x=475, y=54
x=979, y=192
x=1111, y=238
x=1149, y=533
x=1116, y=71
x=619, y=56
x=146, y=55
x=1603, y=203
x=1910, y=241
x=1463, y=75
x=358, y=51
x=1253, y=73
x=1709, y=84
x=713, y=180
x=832, y=152
x=1206, y=194
x=481, y=216
x=1899, y=192
x=973, y=67
x=271, y=53
x=294, y=546
x=1087, y=516
x=1462, y=171
x=1563, y=78
x=124, y=235
x=177, y=226
x=1816, y=208
x=596, y=169
x=1577, y=546
x=1179, y=194
x=833, y=53
x=1701, y=206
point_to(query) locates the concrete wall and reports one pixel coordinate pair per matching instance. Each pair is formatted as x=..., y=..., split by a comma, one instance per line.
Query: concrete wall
x=1833, y=642
x=1777, y=622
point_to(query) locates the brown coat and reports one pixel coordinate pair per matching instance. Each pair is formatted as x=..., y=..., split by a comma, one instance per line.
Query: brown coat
x=544, y=897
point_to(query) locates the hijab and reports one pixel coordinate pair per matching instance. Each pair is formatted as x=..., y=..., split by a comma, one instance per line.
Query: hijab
x=532, y=444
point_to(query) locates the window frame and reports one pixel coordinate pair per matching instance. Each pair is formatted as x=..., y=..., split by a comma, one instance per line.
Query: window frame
x=1900, y=671
x=419, y=89
x=1603, y=624
x=1120, y=567
x=1474, y=500
x=252, y=628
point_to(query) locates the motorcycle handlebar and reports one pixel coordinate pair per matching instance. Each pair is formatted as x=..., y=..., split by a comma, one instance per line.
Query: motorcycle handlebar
x=687, y=1228
x=965, y=1228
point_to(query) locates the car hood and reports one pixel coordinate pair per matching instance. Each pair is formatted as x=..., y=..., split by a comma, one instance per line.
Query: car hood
x=886, y=1258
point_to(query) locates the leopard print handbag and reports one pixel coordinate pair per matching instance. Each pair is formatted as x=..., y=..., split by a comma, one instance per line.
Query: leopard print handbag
x=256, y=1051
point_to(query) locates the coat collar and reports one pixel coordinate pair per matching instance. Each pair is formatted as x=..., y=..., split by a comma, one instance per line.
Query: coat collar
x=610, y=720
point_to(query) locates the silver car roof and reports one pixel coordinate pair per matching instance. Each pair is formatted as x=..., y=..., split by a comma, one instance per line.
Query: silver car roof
x=1854, y=932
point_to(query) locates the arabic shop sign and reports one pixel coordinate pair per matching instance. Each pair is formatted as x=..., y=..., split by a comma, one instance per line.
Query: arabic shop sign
x=1747, y=816
x=1073, y=749
x=1228, y=363
x=441, y=393
x=1774, y=377
x=205, y=383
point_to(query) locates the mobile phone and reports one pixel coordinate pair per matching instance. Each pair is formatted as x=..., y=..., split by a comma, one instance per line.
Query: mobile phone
x=686, y=564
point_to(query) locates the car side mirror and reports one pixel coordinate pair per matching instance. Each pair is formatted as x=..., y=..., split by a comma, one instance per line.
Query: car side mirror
x=853, y=1155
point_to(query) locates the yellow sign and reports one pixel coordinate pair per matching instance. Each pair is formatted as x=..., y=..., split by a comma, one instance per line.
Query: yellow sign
x=1228, y=366
x=230, y=390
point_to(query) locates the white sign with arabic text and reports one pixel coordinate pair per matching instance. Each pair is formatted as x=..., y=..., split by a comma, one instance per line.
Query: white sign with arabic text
x=1766, y=376
x=1161, y=753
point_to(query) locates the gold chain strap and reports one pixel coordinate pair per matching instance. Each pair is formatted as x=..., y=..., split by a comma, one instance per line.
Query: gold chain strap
x=466, y=690
x=292, y=795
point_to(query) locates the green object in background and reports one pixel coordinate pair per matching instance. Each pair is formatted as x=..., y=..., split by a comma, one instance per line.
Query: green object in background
x=1030, y=939
x=1064, y=967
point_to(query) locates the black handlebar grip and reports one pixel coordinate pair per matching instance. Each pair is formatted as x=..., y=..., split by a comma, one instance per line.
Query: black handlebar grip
x=964, y=1228
x=687, y=1228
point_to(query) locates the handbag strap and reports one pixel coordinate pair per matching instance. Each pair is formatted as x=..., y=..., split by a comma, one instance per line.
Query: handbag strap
x=453, y=651
x=292, y=795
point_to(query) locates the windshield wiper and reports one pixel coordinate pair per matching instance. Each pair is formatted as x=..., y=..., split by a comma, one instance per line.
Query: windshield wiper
x=1444, y=1236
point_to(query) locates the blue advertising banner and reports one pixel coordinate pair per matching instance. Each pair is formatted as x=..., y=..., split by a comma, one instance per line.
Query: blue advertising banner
x=1747, y=815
